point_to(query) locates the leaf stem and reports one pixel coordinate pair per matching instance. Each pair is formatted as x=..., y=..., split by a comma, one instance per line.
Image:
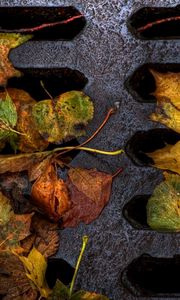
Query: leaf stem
x=117, y=152
x=84, y=243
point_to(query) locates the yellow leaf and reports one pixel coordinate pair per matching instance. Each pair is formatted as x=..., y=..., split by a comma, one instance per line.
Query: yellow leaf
x=36, y=265
x=168, y=86
x=167, y=158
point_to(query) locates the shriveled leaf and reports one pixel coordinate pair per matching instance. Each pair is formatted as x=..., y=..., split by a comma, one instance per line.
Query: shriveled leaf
x=5, y=210
x=90, y=191
x=64, y=118
x=60, y=291
x=14, y=283
x=9, y=41
x=36, y=265
x=167, y=86
x=167, y=114
x=20, y=162
x=31, y=140
x=163, y=208
x=167, y=158
x=51, y=194
x=84, y=295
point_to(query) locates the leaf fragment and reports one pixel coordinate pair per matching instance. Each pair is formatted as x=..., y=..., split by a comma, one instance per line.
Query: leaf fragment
x=163, y=208
x=36, y=265
x=90, y=192
x=5, y=210
x=167, y=158
x=9, y=41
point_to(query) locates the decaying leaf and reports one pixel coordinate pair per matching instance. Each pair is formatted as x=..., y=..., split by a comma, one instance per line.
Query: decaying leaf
x=90, y=191
x=20, y=162
x=60, y=291
x=167, y=158
x=167, y=94
x=13, y=228
x=163, y=208
x=39, y=168
x=35, y=265
x=9, y=41
x=167, y=86
x=45, y=237
x=51, y=194
x=18, y=96
x=63, y=118
x=31, y=140
x=14, y=283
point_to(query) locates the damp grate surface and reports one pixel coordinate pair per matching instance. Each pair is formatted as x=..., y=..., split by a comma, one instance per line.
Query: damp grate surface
x=107, y=54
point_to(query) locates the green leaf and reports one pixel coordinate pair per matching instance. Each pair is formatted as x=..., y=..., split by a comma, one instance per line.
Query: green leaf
x=64, y=118
x=36, y=265
x=60, y=292
x=83, y=295
x=8, y=117
x=163, y=208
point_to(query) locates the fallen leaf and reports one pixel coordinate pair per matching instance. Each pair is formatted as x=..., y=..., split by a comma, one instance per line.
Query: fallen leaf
x=8, y=117
x=167, y=86
x=46, y=235
x=18, y=96
x=35, y=265
x=20, y=162
x=14, y=283
x=51, y=194
x=84, y=295
x=38, y=169
x=64, y=118
x=13, y=228
x=9, y=41
x=60, y=291
x=167, y=158
x=89, y=191
x=5, y=210
x=167, y=114
x=31, y=140
x=163, y=208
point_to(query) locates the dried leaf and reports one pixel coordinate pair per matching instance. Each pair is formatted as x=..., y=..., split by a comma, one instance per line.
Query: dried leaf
x=38, y=169
x=163, y=208
x=167, y=86
x=31, y=140
x=18, y=96
x=46, y=236
x=36, y=265
x=9, y=41
x=51, y=194
x=14, y=283
x=167, y=158
x=65, y=118
x=90, y=191
x=20, y=162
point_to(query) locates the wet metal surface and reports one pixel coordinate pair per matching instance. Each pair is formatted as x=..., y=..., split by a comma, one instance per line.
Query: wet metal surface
x=107, y=54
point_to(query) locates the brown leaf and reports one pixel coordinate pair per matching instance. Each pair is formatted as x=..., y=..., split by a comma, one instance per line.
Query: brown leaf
x=20, y=162
x=47, y=237
x=90, y=191
x=13, y=281
x=38, y=169
x=51, y=194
